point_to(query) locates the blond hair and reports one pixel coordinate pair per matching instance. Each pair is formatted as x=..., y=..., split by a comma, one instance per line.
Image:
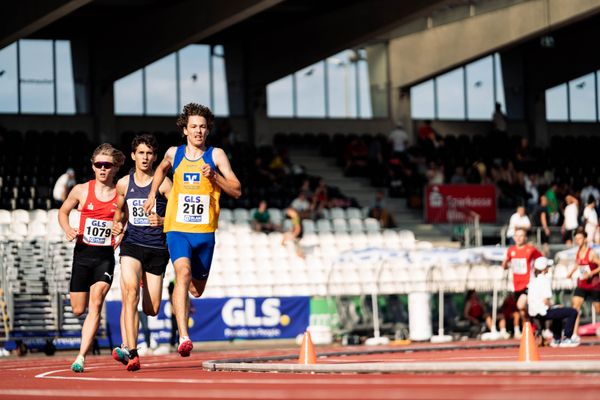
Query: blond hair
x=107, y=149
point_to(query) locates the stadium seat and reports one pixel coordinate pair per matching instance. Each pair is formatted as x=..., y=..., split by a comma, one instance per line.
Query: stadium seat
x=308, y=226
x=372, y=225
x=225, y=215
x=241, y=215
x=355, y=225
x=340, y=225
x=337, y=212
x=276, y=216
x=324, y=226
x=20, y=216
x=353, y=212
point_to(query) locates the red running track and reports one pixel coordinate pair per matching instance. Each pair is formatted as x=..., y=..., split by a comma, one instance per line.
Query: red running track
x=170, y=376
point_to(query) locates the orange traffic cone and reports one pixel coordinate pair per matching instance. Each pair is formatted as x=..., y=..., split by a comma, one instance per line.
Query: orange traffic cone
x=307, y=350
x=528, y=350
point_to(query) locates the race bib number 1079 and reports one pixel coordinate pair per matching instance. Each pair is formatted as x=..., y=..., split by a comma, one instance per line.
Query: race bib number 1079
x=97, y=232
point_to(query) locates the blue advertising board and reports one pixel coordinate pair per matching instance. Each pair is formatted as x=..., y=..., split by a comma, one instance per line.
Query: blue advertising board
x=227, y=319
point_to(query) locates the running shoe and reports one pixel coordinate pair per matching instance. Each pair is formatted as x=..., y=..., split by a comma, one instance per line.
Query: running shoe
x=78, y=365
x=121, y=354
x=133, y=364
x=568, y=342
x=555, y=343
x=185, y=347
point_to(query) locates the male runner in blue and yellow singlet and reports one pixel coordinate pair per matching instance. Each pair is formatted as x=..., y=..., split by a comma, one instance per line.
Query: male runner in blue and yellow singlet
x=200, y=173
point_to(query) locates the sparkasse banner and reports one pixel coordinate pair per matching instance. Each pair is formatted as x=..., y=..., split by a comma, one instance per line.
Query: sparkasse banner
x=458, y=203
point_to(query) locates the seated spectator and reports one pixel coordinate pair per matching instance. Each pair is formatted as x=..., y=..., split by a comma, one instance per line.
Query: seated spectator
x=539, y=301
x=508, y=317
x=63, y=186
x=518, y=220
x=295, y=233
x=435, y=174
x=590, y=219
x=321, y=199
x=261, y=219
x=459, y=176
x=570, y=222
x=302, y=205
x=476, y=313
x=379, y=211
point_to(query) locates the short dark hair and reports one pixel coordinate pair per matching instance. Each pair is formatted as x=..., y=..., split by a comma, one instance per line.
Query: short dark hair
x=580, y=231
x=144, y=138
x=195, y=109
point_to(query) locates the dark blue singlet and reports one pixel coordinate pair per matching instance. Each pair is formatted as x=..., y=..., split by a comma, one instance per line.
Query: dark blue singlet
x=139, y=231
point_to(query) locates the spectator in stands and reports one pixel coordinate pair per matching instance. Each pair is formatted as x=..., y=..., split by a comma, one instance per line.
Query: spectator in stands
x=508, y=317
x=380, y=212
x=532, y=191
x=590, y=219
x=320, y=199
x=587, y=265
x=261, y=219
x=435, y=174
x=519, y=220
x=302, y=205
x=476, y=313
x=93, y=257
x=295, y=233
x=498, y=120
x=520, y=258
x=541, y=220
x=458, y=177
x=540, y=305
x=553, y=205
x=570, y=222
x=356, y=155
x=589, y=190
x=63, y=186
x=398, y=139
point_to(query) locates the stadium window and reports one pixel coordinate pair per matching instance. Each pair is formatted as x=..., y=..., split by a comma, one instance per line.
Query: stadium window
x=129, y=94
x=161, y=90
x=280, y=98
x=36, y=63
x=422, y=100
x=480, y=89
x=557, y=103
x=220, y=98
x=9, y=90
x=310, y=91
x=582, y=99
x=364, y=88
x=500, y=98
x=450, y=98
x=341, y=85
x=194, y=74
x=65, y=91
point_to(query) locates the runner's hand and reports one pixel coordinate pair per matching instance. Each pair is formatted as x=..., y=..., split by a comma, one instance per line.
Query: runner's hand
x=149, y=204
x=117, y=229
x=118, y=240
x=207, y=171
x=155, y=219
x=71, y=234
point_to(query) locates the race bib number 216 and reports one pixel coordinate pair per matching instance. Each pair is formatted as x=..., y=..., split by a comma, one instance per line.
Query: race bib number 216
x=193, y=209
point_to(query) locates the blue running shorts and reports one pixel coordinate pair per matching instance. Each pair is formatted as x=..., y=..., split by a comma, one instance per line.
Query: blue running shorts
x=197, y=247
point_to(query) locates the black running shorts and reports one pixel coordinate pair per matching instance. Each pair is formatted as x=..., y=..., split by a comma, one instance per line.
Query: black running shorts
x=154, y=261
x=91, y=264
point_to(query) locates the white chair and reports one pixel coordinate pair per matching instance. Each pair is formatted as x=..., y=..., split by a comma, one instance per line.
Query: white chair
x=324, y=226
x=372, y=225
x=276, y=216
x=5, y=217
x=340, y=225
x=52, y=216
x=38, y=216
x=337, y=212
x=36, y=230
x=407, y=239
x=20, y=216
x=356, y=225
x=241, y=215
x=19, y=229
x=308, y=226
x=353, y=212
x=74, y=218
x=226, y=215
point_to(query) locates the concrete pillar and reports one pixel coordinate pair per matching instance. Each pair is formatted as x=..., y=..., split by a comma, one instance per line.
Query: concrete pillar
x=81, y=74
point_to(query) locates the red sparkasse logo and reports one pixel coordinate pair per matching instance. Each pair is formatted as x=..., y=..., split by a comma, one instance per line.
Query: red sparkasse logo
x=460, y=203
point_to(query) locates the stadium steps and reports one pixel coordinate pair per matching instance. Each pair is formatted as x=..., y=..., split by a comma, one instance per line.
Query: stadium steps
x=360, y=189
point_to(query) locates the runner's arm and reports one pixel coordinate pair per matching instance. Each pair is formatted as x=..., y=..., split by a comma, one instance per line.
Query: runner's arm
x=224, y=177
x=165, y=190
x=159, y=176
x=121, y=213
x=70, y=203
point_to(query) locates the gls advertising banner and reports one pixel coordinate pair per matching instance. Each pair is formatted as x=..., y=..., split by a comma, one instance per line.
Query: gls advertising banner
x=228, y=318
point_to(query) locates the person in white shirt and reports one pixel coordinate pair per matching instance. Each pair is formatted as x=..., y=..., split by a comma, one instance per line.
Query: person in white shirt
x=589, y=190
x=518, y=220
x=570, y=222
x=63, y=186
x=590, y=218
x=398, y=138
x=540, y=305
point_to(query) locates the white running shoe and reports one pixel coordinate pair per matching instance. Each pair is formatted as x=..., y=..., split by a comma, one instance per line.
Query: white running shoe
x=568, y=342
